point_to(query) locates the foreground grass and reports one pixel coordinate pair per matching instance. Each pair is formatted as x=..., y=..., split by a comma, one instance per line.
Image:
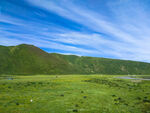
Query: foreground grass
x=73, y=93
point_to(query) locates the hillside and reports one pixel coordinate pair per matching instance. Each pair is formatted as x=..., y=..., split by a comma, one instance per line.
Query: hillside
x=27, y=59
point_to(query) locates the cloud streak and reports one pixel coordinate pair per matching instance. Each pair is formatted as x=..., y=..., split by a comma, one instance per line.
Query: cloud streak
x=119, y=29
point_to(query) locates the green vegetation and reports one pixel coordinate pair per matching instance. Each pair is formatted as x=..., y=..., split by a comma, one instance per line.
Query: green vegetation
x=28, y=59
x=60, y=93
x=73, y=93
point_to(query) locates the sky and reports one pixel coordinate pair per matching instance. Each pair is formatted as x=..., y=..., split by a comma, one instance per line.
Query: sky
x=118, y=29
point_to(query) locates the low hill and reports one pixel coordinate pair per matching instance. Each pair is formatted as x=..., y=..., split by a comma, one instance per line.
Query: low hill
x=29, y=60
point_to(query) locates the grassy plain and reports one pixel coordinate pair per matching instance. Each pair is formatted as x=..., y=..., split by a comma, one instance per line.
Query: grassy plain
x=73, y=93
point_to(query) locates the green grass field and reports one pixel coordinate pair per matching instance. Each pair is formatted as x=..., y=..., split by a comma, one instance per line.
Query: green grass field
x=73, y=93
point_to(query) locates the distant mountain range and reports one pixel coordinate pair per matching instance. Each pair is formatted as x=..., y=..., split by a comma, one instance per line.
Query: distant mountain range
x=29, y=60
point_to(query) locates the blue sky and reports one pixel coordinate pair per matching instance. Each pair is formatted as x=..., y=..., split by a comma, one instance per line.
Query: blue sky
x=117, y=29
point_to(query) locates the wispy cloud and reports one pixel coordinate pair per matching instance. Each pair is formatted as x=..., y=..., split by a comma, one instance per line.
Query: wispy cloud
x=42, y=42
x=121, y=31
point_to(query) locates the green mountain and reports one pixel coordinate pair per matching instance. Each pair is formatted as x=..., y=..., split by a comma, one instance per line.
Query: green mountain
x=27, y=59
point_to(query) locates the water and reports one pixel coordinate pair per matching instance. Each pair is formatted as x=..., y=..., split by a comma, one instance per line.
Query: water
x=132, y=78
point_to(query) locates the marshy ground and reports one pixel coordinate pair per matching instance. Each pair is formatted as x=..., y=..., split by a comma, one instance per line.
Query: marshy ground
x=73, y=93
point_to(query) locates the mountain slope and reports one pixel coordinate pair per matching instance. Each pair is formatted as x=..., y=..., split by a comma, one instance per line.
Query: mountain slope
x=28, y=59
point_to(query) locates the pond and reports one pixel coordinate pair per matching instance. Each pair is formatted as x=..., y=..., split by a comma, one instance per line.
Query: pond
x=6, y=77
x=135, y=77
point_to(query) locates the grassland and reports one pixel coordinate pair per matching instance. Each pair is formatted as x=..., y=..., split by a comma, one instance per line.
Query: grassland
x=73, y=93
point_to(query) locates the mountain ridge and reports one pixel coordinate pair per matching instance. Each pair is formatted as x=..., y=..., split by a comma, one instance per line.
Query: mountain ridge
x=27, y=59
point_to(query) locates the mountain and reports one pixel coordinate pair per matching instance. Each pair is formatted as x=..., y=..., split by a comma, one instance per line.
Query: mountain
x=29, y=60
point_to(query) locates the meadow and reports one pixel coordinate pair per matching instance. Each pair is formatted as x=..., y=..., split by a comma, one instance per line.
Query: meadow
x=73, y=93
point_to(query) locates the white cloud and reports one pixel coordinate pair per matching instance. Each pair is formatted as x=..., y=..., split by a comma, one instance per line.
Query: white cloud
x=41, y=42
x=129, y=31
